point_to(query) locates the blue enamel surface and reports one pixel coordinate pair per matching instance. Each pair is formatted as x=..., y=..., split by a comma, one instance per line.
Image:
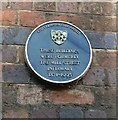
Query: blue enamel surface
x=43, y=40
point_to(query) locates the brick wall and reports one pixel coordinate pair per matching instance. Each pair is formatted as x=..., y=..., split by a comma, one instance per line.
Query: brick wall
x=26, y=96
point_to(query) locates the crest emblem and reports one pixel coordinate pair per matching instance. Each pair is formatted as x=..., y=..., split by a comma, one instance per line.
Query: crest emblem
x=58, y=36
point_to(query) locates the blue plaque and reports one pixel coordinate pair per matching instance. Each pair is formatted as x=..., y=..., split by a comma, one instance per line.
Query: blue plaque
x=58, y=52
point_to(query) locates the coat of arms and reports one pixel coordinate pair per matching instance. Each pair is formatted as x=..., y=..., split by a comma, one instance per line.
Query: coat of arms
x=58, y=36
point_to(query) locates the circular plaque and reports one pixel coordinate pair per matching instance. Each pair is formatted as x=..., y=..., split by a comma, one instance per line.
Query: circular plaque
x=58, y=52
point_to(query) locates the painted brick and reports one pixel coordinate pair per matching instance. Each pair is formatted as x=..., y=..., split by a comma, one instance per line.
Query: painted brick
x=31, y=19
x=70, y=112
x=9, y=17
x=103, y=23
x=45, y=6
x=29, y=94
x=21, y=54
x=112, y=76
x=44, y=112
x=9, y=54
x=97, y=8
x=21, y=5
x=67, y=7
x=96, y=39
x=16, y=74
x=106, y=58
x=21, y=113
x=110, y=40
x=69, y=96
x=15, y=35
x=95, y=76
x=95, y=114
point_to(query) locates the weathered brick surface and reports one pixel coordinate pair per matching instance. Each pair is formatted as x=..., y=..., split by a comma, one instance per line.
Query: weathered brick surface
x=8, y=96
x=106, y=59
x=24, y=96
x=60, y=17
x=4, y=5
x=108, y=96
x=1, y=35
x=67, y=7
x=0, y=100
x=112, y=76
x=9, y=54
x=107, y=23
x=9, y=17
x=110, y=40
x=16, y=74
x=21, y=113
x=97, y=8
x=69, y=96
x=21, y=54
x=45, y=6
x=95, y=114
x=96, y=39
x=95, y=76
x=70, y=113
x=82, y=21
x=1, y=79
x=105, y=96
x=44, y=112
x=21, y=5
x=102, y=40
x=15, y=35
x=31, y=19
x=29, y=94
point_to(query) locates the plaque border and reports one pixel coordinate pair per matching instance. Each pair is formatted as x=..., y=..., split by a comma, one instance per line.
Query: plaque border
x=49, y=80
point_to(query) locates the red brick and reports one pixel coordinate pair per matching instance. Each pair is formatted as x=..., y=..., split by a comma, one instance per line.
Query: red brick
x=82, y=21
x=22, y=5
x=106, y=58
x=103, y=23
x=97, y=8
x=60, y=18
x=89, y=8
x=69, y=96
x=67, y=7
x=21, y=55
x=108, y=8
x=31, y=19
x=9, y=17
x=21, y=113
x=9, y=54
x=45, y=6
